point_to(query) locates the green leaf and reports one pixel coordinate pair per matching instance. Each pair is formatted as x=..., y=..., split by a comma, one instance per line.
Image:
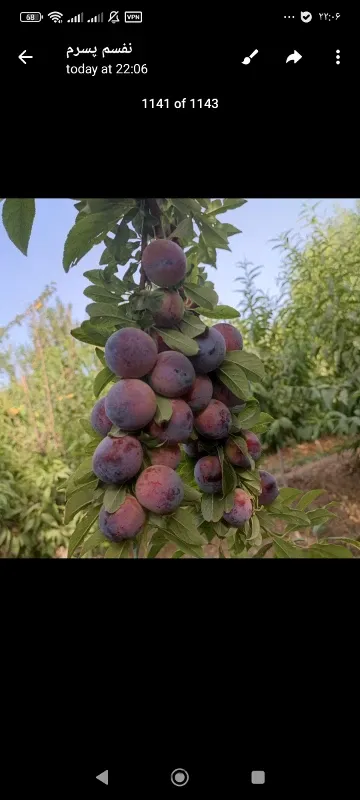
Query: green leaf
x=119, y=549
x=191, y=495
x=163, y=409
x=229, y=479
x=90, y=335
x=213, y=237
x=204, y=296
x=345, y=540
x=319, y=515
x=88, y=428
x=240, y=444
x=216, y=207
x=102, y=379
x=114, y=498
x=99, y=293
x=80, y=481
x=328, y=551
x=235, y=379
x=177, y=341
x=308, y=498
x=92, y=542
x=264, y=421
x=158, y=541
x=250, y=480
x=82, y=529
x=220, y=312
x=246, y=417
x=212, y=507
x=255, y=530
x=287, y=495
x=229, y=501
x=184, y=231
x=79, y=499
x=95, y=276
x=227, y=229
x=18, y=216
x=82, y=469
x=266, y=520
x=250, y=363
x=106, y=257
x=105, y=310
x=190, y=203
x=89, y=231
x=101, y=356
x=91, y=446
x=188, y=549
x=263, y=549
x=284, y=549
x=182, y=525
x=178, y=554
x=191, y=325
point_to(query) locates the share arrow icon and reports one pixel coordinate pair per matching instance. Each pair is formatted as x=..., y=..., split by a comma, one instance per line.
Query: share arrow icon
x=295, y=56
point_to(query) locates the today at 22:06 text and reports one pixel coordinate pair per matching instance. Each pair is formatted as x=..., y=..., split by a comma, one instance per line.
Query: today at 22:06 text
x=192, y=103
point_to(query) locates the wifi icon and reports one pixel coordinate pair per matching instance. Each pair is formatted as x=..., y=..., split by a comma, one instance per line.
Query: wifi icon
x=55, y=16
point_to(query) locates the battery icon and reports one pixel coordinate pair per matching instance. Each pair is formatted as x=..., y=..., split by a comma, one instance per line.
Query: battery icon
x=31, y=16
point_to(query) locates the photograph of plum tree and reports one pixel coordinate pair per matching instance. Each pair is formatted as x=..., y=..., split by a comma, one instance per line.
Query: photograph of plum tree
x=174, y=455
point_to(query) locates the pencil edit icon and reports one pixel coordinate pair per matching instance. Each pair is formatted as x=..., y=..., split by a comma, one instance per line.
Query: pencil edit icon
x=248, y=58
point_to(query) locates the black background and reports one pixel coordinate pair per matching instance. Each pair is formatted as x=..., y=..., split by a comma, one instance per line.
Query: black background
x=277, y=125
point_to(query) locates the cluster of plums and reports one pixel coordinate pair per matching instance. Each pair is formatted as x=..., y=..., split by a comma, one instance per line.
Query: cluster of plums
x=146, y=367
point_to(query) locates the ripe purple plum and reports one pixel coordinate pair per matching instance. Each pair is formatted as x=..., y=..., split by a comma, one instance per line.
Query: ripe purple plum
x=173, y=374
x=164, y=263
x=99, y=420
x=214, y=422
x=116, y=460
x=200, y=393
x=225, y=395
x=207, y=474
x=233, y=338
x=178, y=428
x=269, y=488
x=165, y=456
x=159, y=489
x=131, y=404
x=124, y=523
x=238, y=458
x=130, y=353
x=241, y=510
x=212, y=351
x=171, y=310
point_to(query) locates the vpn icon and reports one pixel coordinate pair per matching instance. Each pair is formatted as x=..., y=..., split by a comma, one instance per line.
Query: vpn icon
x=55, y=16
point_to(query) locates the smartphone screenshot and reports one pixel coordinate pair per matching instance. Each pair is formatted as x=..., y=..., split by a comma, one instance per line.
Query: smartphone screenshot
x=179, y=385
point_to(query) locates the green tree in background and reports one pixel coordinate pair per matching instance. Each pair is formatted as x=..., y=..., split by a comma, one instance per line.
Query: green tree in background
x=44, y=383
x=309, y=336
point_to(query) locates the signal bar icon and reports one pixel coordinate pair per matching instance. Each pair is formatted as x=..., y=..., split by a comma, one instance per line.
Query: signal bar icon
x=78, y=18
x=98, y=18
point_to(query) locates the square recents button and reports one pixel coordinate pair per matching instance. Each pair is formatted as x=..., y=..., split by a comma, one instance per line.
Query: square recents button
x=258, y=776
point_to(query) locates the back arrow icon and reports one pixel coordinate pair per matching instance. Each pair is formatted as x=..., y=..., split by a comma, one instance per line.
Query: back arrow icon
x=22, y=56
x=295, y=56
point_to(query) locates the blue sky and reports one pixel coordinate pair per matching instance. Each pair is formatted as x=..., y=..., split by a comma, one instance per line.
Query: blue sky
x=24, y=278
